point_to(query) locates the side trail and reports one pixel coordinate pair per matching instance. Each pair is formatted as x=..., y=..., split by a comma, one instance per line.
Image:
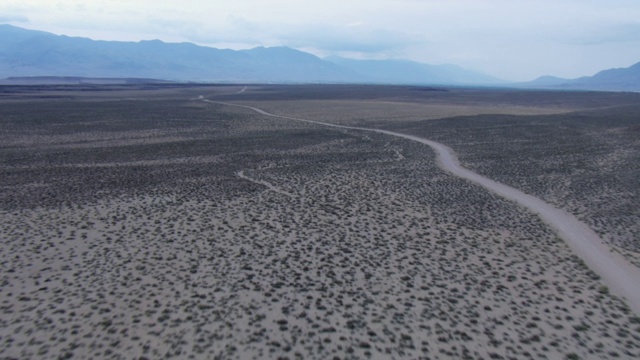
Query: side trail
x=622, y=277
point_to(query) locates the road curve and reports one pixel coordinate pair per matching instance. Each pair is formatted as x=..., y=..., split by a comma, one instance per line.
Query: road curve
x=622, y=277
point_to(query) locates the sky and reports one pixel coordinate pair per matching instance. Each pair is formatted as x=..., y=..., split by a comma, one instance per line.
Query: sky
x=516, y=40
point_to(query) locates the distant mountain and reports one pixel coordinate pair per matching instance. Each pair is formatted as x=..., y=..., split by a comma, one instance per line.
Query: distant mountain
x=36, y=53
x=409, y=72
x=544, y=82
x=29, y=53
x=624, y=79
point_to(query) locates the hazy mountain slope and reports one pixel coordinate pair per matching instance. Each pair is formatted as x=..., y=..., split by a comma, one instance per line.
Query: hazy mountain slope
x=543, y=82
x=35, y=53
x=11, y=35
x=623, y=79
x=409, y=72
x=612, y=79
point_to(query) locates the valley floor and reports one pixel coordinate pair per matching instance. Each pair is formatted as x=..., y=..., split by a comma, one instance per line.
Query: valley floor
x=154, y=225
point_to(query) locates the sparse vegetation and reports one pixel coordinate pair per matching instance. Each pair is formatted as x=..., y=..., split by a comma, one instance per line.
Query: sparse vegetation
x=128, y=231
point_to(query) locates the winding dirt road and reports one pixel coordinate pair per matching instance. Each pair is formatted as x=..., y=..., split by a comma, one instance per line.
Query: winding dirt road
x=622, y=277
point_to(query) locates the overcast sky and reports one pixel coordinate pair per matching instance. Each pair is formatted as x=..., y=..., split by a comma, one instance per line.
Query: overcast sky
x=510, y=39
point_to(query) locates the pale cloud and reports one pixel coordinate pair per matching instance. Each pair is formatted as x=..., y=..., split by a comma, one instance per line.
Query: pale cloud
x=13, y=19
x=362, y=39
x=618, y=33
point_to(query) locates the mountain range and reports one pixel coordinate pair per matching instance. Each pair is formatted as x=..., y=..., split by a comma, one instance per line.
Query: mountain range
x=623, y=79
x=31, y=53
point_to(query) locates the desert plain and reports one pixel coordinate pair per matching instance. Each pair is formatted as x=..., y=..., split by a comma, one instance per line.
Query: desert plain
x=141, y=221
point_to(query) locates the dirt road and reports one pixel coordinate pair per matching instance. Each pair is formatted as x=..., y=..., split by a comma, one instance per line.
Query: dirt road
x=622, y=277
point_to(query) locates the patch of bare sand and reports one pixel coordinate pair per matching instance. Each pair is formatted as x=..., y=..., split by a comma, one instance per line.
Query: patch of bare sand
x=349, y=112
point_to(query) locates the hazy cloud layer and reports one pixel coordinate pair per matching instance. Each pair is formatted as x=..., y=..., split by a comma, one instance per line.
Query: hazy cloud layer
x=512, y=39
x=13, y=19
x=355, y=37
x=619, y=33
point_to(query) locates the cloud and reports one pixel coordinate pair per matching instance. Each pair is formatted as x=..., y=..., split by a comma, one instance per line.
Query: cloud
x=230, y=30
x=623, y=33
x=353, y=37
x=13, y=19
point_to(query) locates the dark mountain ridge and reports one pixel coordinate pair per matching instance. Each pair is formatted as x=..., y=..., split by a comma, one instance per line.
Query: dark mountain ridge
x=35, y=53
x=621, y=79
x=32, y=54
x=612, y=79
x=28, y=53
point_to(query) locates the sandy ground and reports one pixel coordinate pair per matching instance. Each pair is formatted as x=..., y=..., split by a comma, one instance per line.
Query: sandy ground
x=621, y=275
x=319, y=243
x=583, y=162
x=372, y=112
